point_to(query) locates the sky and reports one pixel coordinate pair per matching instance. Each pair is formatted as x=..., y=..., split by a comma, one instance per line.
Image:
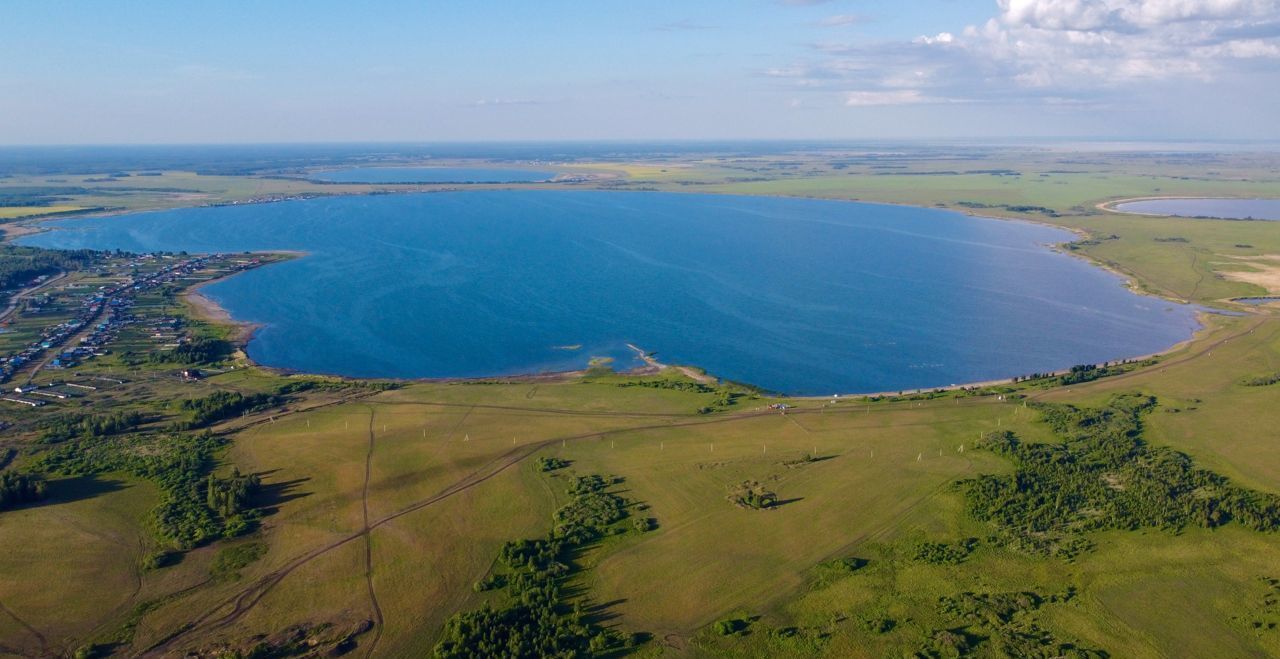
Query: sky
x=149, y=71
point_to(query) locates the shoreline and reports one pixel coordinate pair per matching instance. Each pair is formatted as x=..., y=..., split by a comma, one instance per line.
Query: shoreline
x=206, y=309
x=1110, y=207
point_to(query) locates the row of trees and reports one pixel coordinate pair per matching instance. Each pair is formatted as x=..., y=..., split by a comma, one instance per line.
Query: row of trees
x=670, y=383
x=1262, y=380
x=221, y=405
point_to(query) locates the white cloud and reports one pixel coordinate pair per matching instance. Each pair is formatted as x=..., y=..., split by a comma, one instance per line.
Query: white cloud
x=940, y=38
x=1059, y=52
x=1126, y=14
x=840, y=20
x=1241, y=49
x=892, y=97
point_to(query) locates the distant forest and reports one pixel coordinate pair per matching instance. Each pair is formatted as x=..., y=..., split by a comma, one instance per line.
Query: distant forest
x=19, y=265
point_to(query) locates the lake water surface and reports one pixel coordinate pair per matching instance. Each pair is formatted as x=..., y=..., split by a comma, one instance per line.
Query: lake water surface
x=1235, y=209
x=432, y=175
x=801, y=296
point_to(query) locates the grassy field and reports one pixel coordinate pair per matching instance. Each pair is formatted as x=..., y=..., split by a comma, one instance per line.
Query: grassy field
x=15, y=212
x=382, y=509
x=881, y=483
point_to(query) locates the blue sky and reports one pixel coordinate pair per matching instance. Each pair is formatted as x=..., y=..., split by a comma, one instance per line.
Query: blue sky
x=148, y=72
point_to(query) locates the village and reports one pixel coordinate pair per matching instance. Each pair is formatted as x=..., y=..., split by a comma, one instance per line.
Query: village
x=98, y=315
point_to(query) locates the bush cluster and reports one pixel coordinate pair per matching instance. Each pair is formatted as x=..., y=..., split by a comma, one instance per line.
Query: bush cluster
x=1102, y=475
x=536, y=619
x=63, y=427
x=195, y=507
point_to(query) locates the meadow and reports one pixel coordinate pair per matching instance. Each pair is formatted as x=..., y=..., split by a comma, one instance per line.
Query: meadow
x=442, y=475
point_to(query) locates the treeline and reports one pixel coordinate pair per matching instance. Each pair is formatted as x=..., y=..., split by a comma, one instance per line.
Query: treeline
x=221, y=405
x=19, y=265
x=1261, y=380
x=665, y=383
x=1079, y=374
x=1102, y=475
x=536, y=619
x=298, y=386
x=17, y=489
x=725, y=398
x=229, y=497
x=1015, y=208
x=1086, y=373
x=180, y=465
x=63, y=427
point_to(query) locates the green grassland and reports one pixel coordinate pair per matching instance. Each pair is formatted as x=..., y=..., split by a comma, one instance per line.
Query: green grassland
x=881, y=485
x=15, y=212
x=381, y=509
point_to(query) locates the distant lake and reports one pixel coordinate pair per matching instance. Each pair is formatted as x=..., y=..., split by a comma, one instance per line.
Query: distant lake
x=432, y=175
x=1237, y=209
x=795, y=295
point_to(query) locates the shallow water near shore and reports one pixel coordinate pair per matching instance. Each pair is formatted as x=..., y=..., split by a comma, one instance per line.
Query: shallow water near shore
x=795, y=295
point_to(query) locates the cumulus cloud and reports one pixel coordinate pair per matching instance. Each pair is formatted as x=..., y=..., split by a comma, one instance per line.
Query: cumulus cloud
x=1127, y=15
x=940, y=38
x=1054, y=52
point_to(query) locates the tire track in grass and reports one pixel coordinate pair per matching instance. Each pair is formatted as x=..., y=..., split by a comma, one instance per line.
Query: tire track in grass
x=368, y=542
x=248, y=598
x=40, y=639
x=235, y=607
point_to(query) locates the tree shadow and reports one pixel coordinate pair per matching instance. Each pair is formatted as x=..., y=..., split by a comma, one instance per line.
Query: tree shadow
x=600, y=613
x=782, y=502
x=79, y=488
x=271, y=496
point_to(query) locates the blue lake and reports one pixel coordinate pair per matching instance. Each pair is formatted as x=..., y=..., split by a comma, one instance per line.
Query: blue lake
x=1235, y=209
x=432, y=175
x=795, y=295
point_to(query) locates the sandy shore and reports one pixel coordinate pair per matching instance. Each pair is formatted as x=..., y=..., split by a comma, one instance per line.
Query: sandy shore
x=205, y=308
